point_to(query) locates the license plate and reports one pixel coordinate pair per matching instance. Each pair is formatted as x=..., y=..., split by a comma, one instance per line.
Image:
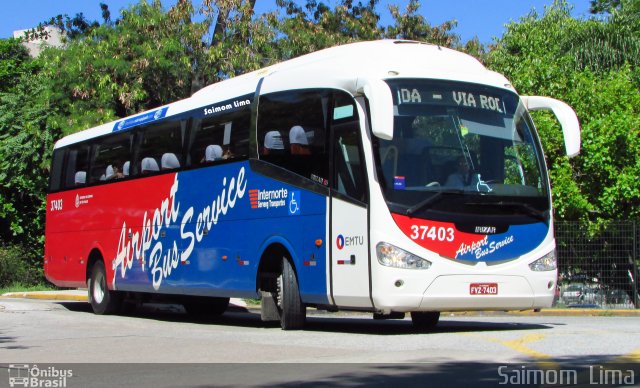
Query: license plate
x=483, y=289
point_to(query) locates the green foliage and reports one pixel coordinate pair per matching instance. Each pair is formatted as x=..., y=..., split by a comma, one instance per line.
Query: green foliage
x=14, y=61
x=17, y=268
x=613, y=6
x=20, y=286
x=26, y=141
x=602, y=46
x=316, y=26
x=413, y=26
x=602, y=6
x=548, y=55
x=119, y=70
x=148, y=58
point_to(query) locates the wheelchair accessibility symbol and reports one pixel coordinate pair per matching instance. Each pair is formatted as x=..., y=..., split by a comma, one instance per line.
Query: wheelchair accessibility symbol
x=294, y=203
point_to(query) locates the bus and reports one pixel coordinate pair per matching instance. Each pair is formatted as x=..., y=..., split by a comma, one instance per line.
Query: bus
x=386, y=177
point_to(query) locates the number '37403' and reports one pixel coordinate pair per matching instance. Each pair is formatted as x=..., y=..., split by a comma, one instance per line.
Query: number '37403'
x=435, y=233
x=56, y=204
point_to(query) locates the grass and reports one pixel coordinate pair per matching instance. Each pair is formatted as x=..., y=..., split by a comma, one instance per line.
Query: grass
x=19, y=287
x=253, y=302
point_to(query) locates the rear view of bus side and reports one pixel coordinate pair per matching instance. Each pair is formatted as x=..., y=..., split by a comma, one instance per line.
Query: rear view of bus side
x=388, y=177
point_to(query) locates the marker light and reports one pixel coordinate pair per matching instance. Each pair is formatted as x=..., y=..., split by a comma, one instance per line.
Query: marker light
x=392, y=256
x=547, y=262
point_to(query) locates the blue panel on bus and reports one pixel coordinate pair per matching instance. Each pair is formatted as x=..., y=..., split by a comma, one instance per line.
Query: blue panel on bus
x=207, y=234
x=140, y=119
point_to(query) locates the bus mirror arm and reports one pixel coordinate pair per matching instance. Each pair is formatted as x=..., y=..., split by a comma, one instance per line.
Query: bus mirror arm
x=380, y=105
x=565, y=115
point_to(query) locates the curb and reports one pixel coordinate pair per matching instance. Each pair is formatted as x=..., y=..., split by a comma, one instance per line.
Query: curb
x=46, y=296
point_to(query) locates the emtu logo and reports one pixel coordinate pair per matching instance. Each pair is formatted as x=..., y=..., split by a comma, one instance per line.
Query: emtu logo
x=340, y=241
x=253, y=197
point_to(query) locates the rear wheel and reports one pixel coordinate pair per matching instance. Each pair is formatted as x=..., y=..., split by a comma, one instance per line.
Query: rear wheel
x=425, y=320
x=103, y=301
x=292, y=312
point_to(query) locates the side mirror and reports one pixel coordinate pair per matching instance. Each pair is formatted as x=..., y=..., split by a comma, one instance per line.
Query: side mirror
x=565, y=115
x=380, y=105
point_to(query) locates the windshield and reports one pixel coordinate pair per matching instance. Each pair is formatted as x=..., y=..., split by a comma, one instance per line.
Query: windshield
x=461, y=148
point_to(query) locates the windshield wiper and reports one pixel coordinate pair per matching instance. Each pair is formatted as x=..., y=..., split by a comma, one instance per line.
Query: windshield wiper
x=432, y=199
x=530, y=210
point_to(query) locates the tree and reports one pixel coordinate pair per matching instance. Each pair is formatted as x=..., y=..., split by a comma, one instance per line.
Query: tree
x=541, y=56
x=413, y=26
x=26, y=140
x=612, y=6
x=601, y=45
x=14, y=62
x=150, y=57
x=315, y=26
x=599, y=184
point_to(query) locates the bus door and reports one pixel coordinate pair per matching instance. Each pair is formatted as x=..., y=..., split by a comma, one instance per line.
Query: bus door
x=350, y=267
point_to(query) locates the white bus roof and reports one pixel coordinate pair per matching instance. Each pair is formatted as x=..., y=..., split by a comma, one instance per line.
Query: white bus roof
x=336, y=67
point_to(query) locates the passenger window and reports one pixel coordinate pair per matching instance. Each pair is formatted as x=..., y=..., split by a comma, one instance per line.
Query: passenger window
x=77, y=166
x=109, y=157
x=55, y=181
x=292, y=132
x=161, y=147
x=220, y=138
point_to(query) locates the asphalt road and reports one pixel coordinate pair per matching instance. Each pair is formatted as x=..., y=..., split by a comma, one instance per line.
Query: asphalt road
x=165, y=347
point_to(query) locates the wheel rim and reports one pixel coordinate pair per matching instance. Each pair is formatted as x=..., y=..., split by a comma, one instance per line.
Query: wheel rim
x=98, y=288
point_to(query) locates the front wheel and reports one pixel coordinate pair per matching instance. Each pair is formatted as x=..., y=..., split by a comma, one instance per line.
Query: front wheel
x=425, y=320
x=292, y=312
x=103, y=301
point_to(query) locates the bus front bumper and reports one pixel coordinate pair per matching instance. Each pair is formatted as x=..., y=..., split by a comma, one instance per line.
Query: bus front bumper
x=471, y=292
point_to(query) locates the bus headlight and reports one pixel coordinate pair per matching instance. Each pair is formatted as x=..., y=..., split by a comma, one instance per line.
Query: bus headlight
x=392, y=256
x=547, y=262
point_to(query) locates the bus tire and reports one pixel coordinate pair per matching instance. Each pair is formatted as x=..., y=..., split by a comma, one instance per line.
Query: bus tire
x=206, y=306
x=103, y=301
x=425, y=320
x=292, y=312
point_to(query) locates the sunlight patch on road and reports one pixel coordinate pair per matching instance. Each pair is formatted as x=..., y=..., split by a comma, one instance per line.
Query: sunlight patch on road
x=543, y=360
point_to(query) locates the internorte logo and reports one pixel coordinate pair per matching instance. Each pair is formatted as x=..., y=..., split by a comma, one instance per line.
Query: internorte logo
x=268, y=199
x=275, y=199
x=24, y=375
